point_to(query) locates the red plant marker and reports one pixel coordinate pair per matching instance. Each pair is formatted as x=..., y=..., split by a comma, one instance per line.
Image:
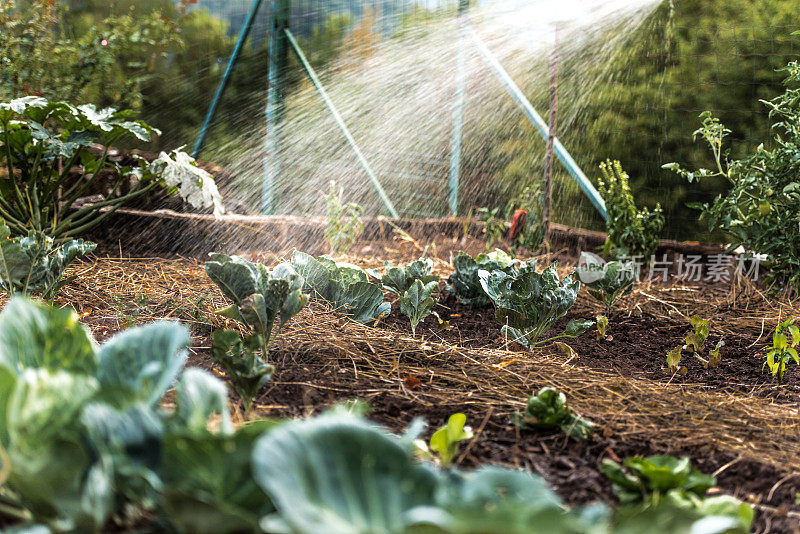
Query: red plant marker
x=518, y=222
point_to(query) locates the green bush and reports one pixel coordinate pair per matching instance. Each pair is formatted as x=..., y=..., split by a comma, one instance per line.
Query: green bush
x=632, y=233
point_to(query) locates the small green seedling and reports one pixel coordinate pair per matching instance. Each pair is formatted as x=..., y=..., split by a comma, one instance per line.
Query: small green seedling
x=445, y=441
x=417, y=303
x=783, y=349
x=602, y=326
x=549, y=410
x=606, y=282
x=494, y=226
x=674, y=361
x=343, y=221
x=697, y=338
x=239, y=358
x=715, y=355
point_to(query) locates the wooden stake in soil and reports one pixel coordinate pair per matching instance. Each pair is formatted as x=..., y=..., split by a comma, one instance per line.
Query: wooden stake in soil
x=548, y=159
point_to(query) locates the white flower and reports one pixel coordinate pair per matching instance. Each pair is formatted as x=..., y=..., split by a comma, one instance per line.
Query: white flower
x=194, y=184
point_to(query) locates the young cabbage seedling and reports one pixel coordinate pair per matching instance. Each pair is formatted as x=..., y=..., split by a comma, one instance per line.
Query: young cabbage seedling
x=445, y=441
x=784, y=343
x=549, y=410
x=529, y=302
x=602, y=326
x=261, y=298
x=464, y=282
x=606, y=282
x=417, y=303
x=32, y=264
x=398, y=280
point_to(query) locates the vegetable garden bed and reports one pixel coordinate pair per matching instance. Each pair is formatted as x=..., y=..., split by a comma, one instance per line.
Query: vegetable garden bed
x=732, y=421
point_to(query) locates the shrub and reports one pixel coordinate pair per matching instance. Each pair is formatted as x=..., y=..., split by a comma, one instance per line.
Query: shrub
x=632, y=233
x=45, y=144
x=754, y=213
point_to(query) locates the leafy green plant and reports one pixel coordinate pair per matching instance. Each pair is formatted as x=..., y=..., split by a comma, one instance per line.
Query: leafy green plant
x=464, y=282
x=263, y=301
x=493, y=226
x=606, y=282
x=675, y=482
x=715, y=355
x=696, y=340
x=445, y=442
x=548, y=410
x=239, y=358
x=82, y=424
x=602, y=326
x=49, y=167
x=763, y=188
x=417, y=303
x=343, y=221
x=784, y=348
x=398, y=280
x=32, y=264
x=674, y=360
x=631, y=232
x=529, y=302
x=345, y=286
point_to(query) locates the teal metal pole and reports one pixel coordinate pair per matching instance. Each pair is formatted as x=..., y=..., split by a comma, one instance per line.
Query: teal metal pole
x=223, y=84
x=458, y=109
x=340, y=122
x=278, y=59
x=528, y=110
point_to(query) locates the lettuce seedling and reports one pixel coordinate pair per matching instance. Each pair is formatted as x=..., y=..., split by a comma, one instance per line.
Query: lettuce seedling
x=239, y=358
x=549, y=410
x=697, y=338
x=398, y=280
x=464, y=283
x=529, y=302
x=32, y=264
x=417, y=303
x=715, y=355
x=345, y=286
x=783, y=348
x=445, y=441
x=674, y=360
x=606, y=282
x=646, y=479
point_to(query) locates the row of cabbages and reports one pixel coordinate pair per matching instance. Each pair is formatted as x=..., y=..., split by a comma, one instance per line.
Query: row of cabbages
x=92, y=437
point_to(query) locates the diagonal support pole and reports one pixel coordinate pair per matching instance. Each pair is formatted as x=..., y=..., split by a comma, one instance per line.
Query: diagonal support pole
x=223, y=84
x=340, y=122
x=527, y=109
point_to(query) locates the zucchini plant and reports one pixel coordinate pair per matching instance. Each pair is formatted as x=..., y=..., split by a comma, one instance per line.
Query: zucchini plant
x=343, y=285
x=263, y=302
x=464, y=282
x=33, y=265
x=528, y=302
x=606, y=281
x=547, y=410
x=49, y=165
x=398, y=280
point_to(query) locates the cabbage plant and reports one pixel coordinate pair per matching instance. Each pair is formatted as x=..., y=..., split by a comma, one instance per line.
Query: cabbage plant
x=263, y=301
x=33, y=264
x=606, y=282
x=49, y=166
x=529, y=302
x=81, y=423
x=343, y=285
x=398, y=280
x=417, y=303
x=464, y=282
x=548, y=410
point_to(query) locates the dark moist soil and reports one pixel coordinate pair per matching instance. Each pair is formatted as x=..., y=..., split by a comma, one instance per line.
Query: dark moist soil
x=635, y=346
x=304, y=384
